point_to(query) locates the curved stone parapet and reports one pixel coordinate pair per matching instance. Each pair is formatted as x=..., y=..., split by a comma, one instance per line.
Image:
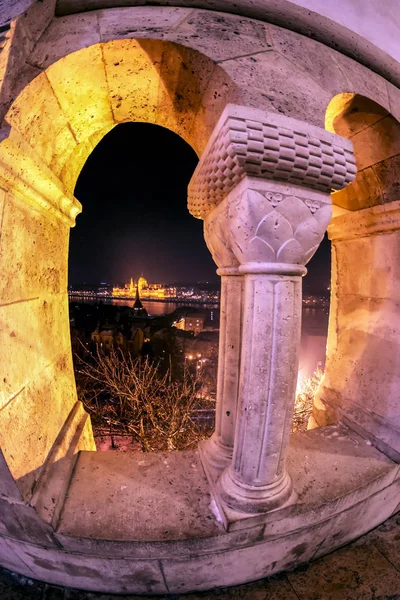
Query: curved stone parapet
x=146, y=523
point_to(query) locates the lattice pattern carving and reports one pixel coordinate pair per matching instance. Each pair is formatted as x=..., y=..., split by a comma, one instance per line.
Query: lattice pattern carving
x=270, y=147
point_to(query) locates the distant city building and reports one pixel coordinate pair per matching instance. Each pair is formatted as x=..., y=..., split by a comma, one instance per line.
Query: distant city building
x=111, y=337
x=148, y=291
x=192, y=319
x=138, y=308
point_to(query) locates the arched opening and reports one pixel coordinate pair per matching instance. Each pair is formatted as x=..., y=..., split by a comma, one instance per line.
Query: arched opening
x=55, y=123
x=375, y=134
x=141, y=282
x=314, y=333
x=360, y=383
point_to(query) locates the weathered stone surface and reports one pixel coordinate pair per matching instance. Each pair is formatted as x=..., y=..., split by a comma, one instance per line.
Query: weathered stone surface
x=345, y=574
x=123, y=23
x=377, y=142
x=143, y=485
x=37, y=259
x=184, y=77
x=37, y=116
x=64, y=36
x=231, y=36
x=312, y=59
x=272, y=82
x=96, y=574
x=364, y=327
x=80, y=84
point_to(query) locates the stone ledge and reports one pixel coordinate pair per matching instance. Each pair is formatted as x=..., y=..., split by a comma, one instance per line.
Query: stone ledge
x=379, y=219
x=139, y=523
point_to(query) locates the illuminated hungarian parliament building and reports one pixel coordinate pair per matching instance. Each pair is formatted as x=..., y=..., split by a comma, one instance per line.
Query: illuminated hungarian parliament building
x=147, y=291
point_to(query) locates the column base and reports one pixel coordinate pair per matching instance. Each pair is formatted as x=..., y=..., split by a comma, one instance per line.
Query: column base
x=253, y=499
x=216, y=454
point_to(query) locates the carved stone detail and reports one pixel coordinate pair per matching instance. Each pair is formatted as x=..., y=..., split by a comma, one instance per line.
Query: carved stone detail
x=269, y=146
x=217, y=237
x=273, y=226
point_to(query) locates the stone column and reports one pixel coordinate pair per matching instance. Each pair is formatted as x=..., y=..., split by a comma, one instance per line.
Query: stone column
x=217, y=451
x=269, y=178
x=274, y=230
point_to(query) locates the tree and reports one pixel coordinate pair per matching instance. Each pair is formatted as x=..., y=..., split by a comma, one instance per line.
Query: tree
x=133, y=396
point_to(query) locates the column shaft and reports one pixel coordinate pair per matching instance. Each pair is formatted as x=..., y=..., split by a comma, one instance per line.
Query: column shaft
x=218, y=449
x=257, y=479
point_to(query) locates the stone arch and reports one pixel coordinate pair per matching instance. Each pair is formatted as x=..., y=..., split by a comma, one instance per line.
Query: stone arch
x=53, y=125
x=68, y=108
x=375, y=134
x=361, y=375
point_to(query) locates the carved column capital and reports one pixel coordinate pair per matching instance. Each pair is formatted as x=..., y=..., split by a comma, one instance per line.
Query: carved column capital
x=254, y=143
x=270, y=222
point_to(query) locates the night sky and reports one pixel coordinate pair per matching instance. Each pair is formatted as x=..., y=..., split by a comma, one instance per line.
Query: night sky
x=135, y=221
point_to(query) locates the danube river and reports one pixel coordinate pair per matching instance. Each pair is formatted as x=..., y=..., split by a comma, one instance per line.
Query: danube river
x=154, y=308
x=313, y=335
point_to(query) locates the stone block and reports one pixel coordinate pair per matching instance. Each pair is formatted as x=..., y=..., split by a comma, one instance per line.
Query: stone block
x=145, y=484
x=8, y=487
x=133, y=550
x=246, y=564
x=31, y=420
x=222, y=36
x=37, y=115
x=347, y=526
x=363, y=81
x=139, y=22
x=270, y=80
x=365, y=191
x=27, y=343
x=132, y=69
x=312, y=58
x=184, y=78
x=75, y=435
x=220, y=91
x=20, y=522
x=91, y=573
x=10, y=559
x=387, y=173
x=37, y=19
x=373, y=276
x=87, y=108
x=64, y=36
x=33, y=253
x=394, y=99
x=349, y=114
x=75, y=163
x=377, y=143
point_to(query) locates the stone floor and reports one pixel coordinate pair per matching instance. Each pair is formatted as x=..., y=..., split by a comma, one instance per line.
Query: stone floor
x=368, y=569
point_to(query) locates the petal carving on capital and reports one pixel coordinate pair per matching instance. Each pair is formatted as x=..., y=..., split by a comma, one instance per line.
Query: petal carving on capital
x=217, y=237
x=276, y=227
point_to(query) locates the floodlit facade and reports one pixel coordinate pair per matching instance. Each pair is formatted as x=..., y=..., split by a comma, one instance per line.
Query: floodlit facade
x=148, y=291
x=293, y=108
